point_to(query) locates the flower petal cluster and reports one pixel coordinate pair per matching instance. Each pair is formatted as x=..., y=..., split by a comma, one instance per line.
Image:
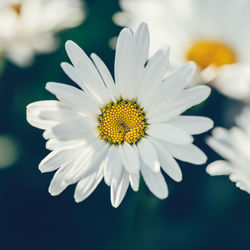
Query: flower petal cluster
x=234, y=146
x=119, y=129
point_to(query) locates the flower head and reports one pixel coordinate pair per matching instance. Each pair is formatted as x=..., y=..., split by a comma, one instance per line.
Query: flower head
x=28, y=27
x=120, y=129
x=207, y=33
x=234, y=146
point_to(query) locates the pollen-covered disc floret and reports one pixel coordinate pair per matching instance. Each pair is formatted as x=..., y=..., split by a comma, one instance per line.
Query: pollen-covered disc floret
x=123, y=121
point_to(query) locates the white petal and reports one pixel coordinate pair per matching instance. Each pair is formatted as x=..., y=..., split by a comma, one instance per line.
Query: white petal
x=119, y=189
x=178, y=80
x=90, y=161
x=73, y=97
x=225, y=150
x=130, y=158
x=54, y=144
x=60, y=115
x=112, y=166
x=168, y=163
x=187, y=153
x=219, y=168
x=194, y=125
x=193, y=96
x=34, y=110
x=57, y=159
x=134, y=180
x=170, y=109
x=70, y=71
x=106, y=76
x=74, y=129
x=86, y=186
x=154, y=72
x=169, y=133
x=131, y=55
x=58, y=184
x=148, y=154
x=155, y=182
x=87, y=72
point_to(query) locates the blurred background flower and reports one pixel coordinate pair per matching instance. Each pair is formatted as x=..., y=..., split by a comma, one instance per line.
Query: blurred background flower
x=201, y=212
x=234, y=146
x=214, y=34
x=29, y=27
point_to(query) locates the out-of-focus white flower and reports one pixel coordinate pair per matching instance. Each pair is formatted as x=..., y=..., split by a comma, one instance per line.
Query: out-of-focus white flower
x=120, y=129
x=28, y=27
x=234, y=146
x=212, y=33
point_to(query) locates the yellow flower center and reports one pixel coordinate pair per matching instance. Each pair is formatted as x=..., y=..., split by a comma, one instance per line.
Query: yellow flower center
x=123, y=121
x=205, y=53
x=17, y=8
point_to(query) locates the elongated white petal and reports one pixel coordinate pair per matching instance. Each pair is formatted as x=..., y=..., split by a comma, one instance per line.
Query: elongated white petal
x=194, y=125
x=168, y=163
x=58, y=183
x=169, y=133
x=60, y=115
x=185, y=100
x=154, y=72
x=112, y=166
x=34, y=110
x=219, y=168
x=193, y=96
x=131, y=55
x=74, y=129
x=225, y=150
x=130, y=158
x=106, y=76
x=90, y=161
x=57, y=159
x=86, y=186
x=187, y=153
x=148, y=154
x=177, y=81
x=71, y=72
x=55, y=144
x=155, y=182
x=87, y=72
x=73, y=97
x=134, y=180
x=119, y=189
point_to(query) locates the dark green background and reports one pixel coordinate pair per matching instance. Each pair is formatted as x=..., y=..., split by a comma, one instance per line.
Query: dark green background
x=201, y=212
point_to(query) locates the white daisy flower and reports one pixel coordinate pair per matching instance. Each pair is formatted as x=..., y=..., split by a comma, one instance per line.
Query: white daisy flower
x=120, y=129
x=28, y=27
x=234, y=146
x=212, y=33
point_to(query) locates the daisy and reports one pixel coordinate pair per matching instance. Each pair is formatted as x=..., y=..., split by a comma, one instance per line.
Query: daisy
x=119, y=129
x=28, y=27
x=212, y=33
x=234, y=146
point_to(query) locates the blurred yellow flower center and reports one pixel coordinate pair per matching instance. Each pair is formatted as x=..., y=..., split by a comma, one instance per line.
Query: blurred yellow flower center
x=17, y=8
x=205, y=53
x=123, y=121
